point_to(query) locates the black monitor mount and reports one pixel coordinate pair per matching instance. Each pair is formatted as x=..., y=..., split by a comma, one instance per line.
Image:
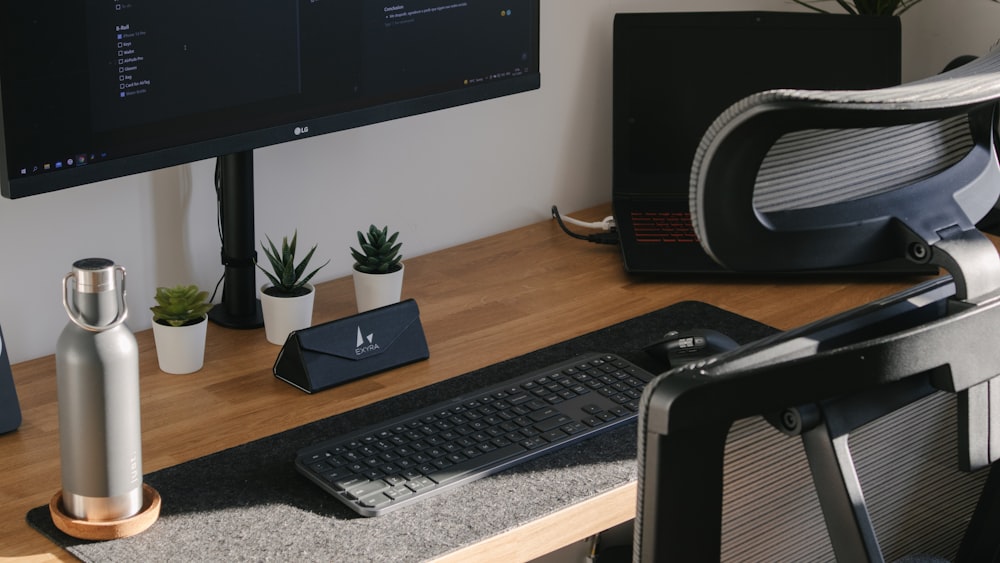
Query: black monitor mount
x=240, y=307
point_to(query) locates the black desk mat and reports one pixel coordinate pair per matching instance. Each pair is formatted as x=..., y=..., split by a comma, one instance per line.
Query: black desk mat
x=249, y=503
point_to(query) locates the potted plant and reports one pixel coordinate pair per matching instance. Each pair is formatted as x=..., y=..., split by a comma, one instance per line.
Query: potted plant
x=287, y=303
x=864, y=7
x=378, y=270
x=180, y=324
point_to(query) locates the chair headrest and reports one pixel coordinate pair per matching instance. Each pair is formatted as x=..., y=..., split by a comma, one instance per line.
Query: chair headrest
x=807, y=179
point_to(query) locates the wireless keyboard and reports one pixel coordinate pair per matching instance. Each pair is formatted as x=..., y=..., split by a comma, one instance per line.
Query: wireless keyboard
x=399, y=462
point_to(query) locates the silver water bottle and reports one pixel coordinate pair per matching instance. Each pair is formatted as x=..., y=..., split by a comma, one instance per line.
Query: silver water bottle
x=97, y=369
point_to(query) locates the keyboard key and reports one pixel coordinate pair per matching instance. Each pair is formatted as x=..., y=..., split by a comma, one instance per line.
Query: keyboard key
x=334, y=475
x=349, y=481
x=365, y=489
x=377, y=500
x=398, y=492
x=553, y=422
x=553, y=435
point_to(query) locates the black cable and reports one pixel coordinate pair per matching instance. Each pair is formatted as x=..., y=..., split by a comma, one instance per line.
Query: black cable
x=610, y=237
x=217, y=178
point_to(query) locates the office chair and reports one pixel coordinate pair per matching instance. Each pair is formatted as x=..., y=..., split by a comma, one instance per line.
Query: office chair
x=871, y=435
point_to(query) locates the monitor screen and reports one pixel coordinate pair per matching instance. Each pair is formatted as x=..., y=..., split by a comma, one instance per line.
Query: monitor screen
x=98, y=89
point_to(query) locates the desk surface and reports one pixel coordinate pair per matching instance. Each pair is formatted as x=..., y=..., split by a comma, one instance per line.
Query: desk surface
x=480, y=303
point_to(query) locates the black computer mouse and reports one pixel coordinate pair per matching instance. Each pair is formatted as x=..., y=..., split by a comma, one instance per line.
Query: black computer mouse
x=678, y=348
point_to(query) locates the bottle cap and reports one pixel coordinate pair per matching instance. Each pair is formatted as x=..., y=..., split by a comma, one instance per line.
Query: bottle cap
x=94, y=275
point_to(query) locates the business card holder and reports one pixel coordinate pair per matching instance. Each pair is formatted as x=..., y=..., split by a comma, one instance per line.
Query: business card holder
x=343, y=350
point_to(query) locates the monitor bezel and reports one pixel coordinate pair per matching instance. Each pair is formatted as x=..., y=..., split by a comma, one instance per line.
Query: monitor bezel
x=14, y=186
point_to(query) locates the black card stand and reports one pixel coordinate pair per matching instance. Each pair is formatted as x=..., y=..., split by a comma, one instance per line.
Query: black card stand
x=339, y=351
x=10, y=411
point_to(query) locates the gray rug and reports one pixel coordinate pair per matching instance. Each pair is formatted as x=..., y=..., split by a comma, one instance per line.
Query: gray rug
x=249, y=504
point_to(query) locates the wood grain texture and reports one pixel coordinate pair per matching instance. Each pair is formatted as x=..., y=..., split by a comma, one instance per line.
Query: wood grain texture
x=480, y=303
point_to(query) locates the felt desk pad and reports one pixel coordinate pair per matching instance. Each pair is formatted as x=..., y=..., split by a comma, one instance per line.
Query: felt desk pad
x=249, y=503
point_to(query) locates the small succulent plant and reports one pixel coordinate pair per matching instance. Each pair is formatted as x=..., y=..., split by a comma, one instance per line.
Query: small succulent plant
x=379, y=252
x=180, y=305
x=288, y=279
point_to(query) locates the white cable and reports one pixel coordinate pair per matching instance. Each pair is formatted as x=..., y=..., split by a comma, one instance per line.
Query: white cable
x=606, y=224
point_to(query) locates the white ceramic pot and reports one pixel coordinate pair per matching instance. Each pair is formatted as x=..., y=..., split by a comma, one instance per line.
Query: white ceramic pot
x=283, y=315
x=377, y=290
x=180, y=349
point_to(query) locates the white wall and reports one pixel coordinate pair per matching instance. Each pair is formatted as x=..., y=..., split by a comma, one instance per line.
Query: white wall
x=441, y=179
x=936, y=31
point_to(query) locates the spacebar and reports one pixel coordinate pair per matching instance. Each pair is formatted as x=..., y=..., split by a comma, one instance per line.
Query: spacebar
x=458, y=470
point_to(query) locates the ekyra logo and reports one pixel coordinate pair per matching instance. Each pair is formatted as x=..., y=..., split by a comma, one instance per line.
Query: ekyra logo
x=365, y=344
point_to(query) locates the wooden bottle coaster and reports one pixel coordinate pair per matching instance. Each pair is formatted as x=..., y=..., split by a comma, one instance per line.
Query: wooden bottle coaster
x=110, y=530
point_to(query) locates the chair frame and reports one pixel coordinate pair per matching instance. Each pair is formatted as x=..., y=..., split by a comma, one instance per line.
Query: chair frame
x=826, y=379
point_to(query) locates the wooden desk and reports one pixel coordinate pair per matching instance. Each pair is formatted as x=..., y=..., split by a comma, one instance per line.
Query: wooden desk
x=480, y=303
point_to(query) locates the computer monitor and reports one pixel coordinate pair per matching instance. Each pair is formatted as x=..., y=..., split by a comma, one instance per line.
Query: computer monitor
x=100, y=89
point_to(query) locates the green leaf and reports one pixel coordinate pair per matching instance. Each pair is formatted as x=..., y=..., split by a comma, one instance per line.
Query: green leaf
x=180, y=305
x=379, y=251
x=286, y=276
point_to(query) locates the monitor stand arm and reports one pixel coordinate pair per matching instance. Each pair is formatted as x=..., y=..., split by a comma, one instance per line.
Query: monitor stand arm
x=240, y=307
